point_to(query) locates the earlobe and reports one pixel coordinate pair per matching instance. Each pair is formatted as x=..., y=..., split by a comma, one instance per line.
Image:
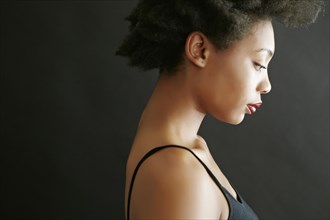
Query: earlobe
x=195, y=49
x=201, y=63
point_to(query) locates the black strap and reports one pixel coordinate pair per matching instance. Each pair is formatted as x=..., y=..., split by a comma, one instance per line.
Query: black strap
x=154, y=150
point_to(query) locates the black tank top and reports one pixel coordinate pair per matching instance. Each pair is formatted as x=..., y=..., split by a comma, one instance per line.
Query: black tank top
x=238, y=209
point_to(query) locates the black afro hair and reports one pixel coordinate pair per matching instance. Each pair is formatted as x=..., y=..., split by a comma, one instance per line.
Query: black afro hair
x=159, y=28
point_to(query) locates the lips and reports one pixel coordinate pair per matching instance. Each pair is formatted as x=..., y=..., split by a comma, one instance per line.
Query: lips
x=253, y=107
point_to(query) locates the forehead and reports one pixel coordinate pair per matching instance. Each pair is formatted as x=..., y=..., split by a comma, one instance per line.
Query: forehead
x=259, y=40
x=260, y=37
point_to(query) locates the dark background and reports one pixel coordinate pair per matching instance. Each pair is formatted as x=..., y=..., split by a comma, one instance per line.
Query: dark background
x=69, y=110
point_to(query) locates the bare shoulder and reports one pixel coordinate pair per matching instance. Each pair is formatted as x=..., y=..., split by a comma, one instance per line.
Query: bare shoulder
x=173, y=184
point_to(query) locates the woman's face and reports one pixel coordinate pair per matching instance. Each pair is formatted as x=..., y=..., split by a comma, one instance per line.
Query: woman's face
x=234, y=79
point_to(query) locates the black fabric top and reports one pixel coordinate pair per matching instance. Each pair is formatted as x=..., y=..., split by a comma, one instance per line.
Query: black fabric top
x=238, y=209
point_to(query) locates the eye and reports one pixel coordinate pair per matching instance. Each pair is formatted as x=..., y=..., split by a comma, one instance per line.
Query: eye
x=259, y=67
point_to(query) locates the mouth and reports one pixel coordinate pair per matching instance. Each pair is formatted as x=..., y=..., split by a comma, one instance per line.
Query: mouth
x=253, y=107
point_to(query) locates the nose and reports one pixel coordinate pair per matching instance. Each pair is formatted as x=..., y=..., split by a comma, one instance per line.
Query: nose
x=265, y=85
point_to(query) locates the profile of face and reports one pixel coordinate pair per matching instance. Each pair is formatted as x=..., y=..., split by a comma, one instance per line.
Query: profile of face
x=230, y=81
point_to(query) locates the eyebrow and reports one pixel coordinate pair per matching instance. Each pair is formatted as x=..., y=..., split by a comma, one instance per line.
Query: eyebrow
x=270, y=52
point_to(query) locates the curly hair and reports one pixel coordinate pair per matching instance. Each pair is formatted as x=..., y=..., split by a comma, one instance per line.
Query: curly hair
x=159, y=28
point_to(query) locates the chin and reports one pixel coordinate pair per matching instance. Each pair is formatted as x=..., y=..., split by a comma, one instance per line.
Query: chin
x=237, y=122
x=233, y=120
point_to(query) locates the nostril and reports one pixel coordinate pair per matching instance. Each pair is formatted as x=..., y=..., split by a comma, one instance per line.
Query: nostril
x=266, y=91
x=267, y=88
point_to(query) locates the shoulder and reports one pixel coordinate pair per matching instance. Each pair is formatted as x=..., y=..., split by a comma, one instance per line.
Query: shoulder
x=173, y=184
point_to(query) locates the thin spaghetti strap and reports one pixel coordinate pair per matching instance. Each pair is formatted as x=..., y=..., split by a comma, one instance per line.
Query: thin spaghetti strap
x=154, y=150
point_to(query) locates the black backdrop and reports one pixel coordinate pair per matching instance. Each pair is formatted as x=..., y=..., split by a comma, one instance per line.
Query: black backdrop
x=69, y=110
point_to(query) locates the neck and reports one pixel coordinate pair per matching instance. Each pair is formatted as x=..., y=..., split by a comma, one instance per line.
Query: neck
x=172, y=114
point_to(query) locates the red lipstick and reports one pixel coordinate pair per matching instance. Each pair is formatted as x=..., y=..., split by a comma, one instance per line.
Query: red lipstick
x=253, y=107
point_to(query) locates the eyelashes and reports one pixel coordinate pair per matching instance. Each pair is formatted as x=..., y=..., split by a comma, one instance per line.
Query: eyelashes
x=259, y=67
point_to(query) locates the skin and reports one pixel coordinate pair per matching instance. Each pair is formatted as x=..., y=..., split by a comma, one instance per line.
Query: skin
x=172, y=184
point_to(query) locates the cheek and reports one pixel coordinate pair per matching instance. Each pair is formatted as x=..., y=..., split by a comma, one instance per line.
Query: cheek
x=224, y=90
x=220, y=97
x=241, y=81
x=235, y=86
x=229, y=101
x=227, y=89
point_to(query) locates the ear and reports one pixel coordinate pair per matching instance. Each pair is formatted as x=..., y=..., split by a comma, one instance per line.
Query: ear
x=197, y=49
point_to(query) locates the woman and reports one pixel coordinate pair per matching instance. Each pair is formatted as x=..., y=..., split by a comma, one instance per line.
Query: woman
x=213, y=57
